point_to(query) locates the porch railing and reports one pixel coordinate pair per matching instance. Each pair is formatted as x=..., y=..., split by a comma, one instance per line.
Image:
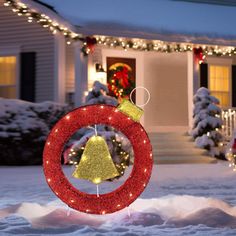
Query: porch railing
x=229, y=122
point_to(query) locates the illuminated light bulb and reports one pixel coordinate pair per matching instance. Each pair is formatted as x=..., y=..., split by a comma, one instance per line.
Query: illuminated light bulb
x=128, y=118
x=144, y=185
x=150, y=154
x=68, y=42
x=144, y=141
x=101, y=107
x=56, y=193
x=49, y=180
x=6, y=4
x=48, y=143
x=130, y=194
x=118, y=205
x=56, y=130
x=103, y=212
x=72, y=200
x=97, y=180
x=145, y=170
x=109, y=118
x=47, y=162
x=67, y=117
x=87, y=210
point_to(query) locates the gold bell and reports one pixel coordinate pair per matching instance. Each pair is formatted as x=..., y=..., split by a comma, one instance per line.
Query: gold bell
x=96, y=164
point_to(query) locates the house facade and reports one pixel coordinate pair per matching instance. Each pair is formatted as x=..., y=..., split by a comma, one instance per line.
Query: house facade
x=39, y=62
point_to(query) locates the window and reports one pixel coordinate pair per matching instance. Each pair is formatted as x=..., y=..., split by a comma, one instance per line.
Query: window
x=8, y=77
x=219, y=81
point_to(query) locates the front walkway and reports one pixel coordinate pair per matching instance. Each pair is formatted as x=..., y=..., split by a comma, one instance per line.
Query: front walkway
x=177, y=148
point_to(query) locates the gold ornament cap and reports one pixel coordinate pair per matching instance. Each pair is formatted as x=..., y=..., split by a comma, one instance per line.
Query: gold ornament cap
x=131, y=110
x=96, y=164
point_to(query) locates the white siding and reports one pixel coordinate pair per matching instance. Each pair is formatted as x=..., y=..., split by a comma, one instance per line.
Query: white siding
x=166, y=78
x=70, y=68
x=30, y=37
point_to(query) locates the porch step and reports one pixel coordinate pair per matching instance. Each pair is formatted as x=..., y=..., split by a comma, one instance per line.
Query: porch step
x=177, y=148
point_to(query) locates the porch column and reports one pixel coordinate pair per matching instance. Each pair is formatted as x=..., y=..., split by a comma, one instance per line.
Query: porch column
x=81, y=75
x=193, y=85
x=59, y=69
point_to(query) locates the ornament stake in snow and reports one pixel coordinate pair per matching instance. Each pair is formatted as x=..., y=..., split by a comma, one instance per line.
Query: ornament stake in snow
x=124, y=119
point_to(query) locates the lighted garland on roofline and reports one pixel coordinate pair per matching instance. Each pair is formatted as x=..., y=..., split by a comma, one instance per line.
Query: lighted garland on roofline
x=45, y=21
x=166, y=47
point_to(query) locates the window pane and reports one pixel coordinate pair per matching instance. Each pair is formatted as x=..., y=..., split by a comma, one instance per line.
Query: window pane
x=219, y=84
x=7, y=70
x=8, y=92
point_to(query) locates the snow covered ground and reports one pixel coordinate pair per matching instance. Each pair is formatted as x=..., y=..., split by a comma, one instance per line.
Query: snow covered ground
x=180, y=200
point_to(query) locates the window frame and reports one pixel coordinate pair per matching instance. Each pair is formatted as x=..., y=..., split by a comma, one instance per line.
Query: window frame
x=14, y=51
x=226, y=62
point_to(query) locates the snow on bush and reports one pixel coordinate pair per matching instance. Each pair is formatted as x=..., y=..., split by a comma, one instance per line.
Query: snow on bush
x=98, y=95
x=206, y=121
x=24, y=127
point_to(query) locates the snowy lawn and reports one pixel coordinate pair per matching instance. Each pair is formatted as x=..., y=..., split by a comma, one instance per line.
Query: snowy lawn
x=180, y=200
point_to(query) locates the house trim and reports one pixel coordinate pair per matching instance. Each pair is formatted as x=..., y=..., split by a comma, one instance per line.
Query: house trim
x=52, y=14
x=81, y=75
x=59, y=69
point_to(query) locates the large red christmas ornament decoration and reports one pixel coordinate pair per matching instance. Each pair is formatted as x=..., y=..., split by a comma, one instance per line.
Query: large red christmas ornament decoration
x=91, y=115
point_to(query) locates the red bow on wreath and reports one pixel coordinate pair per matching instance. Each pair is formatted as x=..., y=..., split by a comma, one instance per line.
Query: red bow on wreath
x=123, y=77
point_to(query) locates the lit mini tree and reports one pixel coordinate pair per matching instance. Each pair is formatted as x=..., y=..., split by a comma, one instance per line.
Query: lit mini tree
x=206, y=121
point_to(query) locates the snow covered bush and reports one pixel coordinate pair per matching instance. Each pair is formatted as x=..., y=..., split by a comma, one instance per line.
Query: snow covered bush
x=24, y=127
x=98, y=95
x=206, y=121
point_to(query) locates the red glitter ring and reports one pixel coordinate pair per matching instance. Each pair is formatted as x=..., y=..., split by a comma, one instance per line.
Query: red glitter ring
x=120, y=197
